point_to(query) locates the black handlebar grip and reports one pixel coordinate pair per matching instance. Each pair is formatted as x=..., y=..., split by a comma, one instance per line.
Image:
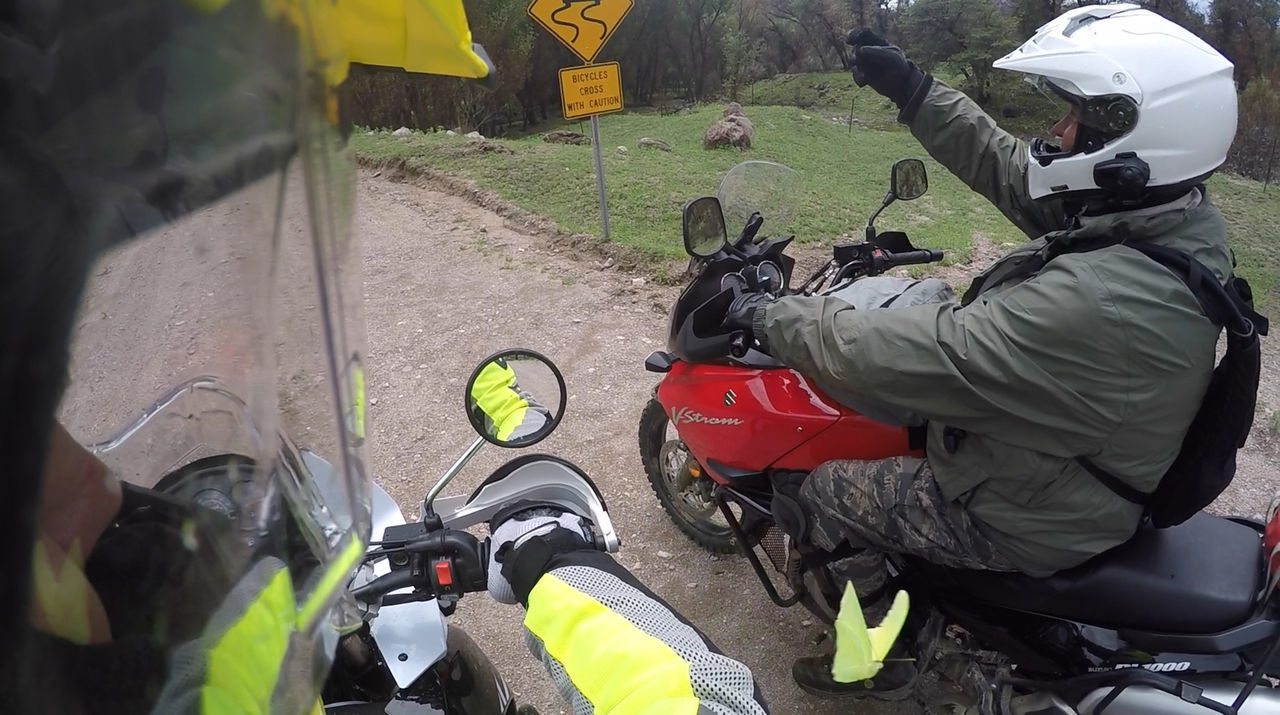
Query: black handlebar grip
x=906, y=258
x=382, y=585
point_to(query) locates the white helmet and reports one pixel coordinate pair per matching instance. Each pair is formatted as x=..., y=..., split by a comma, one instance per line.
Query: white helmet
x=1156, y=105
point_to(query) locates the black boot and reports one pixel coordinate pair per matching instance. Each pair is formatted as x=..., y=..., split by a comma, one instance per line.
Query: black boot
x=895, y=681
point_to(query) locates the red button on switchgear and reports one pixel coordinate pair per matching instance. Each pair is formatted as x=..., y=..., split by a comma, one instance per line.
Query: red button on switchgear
x=444, y=576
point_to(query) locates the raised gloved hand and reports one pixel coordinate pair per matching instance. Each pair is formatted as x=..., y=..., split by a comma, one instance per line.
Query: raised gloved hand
x=885, y=68
x=522, y=539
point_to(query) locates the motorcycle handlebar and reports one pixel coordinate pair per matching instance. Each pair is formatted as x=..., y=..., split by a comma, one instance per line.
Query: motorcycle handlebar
x=382, y=585
x=907, y=258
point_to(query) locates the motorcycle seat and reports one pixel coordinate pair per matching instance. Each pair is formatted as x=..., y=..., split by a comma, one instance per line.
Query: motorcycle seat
x=1202, y=576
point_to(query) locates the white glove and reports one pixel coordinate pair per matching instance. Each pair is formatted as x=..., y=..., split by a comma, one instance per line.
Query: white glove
x=517, y=529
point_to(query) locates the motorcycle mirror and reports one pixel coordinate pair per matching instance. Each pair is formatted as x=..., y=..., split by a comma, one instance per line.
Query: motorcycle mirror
x=909, y=179
x=704, y=231
x=515, y=398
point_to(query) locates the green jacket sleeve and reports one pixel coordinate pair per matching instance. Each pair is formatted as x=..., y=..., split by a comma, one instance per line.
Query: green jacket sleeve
x=612, y=646
x=960, y=136
x=1021, y=356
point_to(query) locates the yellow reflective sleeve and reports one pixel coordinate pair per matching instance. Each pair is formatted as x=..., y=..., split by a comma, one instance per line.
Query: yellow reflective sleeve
x=618, y=668
x=335, y=575
x=492, y=393
x=244, y=665
x=357, y=409
x=860, y=651
x=64, y=602
x=429, y=36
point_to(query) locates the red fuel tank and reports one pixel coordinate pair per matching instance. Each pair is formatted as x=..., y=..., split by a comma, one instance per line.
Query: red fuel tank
x=756, y=419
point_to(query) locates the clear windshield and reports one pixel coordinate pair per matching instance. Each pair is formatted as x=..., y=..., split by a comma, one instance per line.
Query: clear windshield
x=773, y=190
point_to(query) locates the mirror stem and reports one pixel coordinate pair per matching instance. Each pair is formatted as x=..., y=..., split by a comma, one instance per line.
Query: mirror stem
x=450, y=473
x=871, y=227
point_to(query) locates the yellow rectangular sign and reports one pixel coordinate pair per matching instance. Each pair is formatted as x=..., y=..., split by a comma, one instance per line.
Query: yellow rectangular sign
x=590, y=89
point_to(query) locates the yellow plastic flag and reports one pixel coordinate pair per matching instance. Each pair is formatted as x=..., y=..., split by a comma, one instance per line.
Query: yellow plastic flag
x=860, y=651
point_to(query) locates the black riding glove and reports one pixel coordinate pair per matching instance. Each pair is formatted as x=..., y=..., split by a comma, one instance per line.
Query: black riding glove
x=877, y=63
x=746, y=312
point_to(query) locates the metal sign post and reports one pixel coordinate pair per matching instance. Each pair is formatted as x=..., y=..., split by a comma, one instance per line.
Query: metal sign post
x=595, y=146
x=589, y=90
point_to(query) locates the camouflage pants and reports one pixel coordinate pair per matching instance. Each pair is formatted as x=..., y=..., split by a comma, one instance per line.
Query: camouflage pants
x=894, y=505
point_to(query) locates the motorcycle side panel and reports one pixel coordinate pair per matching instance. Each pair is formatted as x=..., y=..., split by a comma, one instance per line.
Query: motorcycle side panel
x=756, y=419
x=853, y=436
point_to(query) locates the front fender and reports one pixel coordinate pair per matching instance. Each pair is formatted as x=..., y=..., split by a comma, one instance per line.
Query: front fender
x=471, y=683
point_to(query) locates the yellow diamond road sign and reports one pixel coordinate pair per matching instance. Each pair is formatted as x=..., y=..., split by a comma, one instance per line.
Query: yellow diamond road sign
x=591, y=89
x=582, y=25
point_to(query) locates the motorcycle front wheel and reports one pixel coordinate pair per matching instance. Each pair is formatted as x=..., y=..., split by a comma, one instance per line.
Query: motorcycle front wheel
x=681, y=484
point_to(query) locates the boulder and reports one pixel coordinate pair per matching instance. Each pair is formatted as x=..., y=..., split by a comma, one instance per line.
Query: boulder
x=402, y=132
x=652, y=143
x=565, y=137
x=475, y=135
x=735, y=130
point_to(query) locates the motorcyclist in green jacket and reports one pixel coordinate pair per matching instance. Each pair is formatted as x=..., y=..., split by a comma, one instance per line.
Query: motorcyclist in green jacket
x=1103, y=354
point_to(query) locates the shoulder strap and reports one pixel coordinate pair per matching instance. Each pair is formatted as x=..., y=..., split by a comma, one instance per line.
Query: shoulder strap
x=1110, y=481
x=1224, y=306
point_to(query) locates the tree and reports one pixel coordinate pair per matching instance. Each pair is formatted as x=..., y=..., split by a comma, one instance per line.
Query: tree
x=1031, y=14
x=966, y=35
x=704, y=35
x=1254, y=151
x=743, y=48
x=1246, y=32
x=1180, y=11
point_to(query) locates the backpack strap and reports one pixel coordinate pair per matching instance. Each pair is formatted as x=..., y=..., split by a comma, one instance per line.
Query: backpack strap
x=1224, y=305
x=1110, y=481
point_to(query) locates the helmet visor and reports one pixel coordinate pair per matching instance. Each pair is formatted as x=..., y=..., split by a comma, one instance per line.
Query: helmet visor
x=1100, y=120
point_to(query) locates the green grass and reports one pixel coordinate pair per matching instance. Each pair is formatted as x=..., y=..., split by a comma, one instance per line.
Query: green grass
x=833, y=92
x=1020, y=109
x=843, y=175
x=1253, y=232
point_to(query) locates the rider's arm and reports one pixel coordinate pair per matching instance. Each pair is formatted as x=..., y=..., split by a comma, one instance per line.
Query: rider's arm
x=612, y=646
x=965, y=139
x=1025, y=353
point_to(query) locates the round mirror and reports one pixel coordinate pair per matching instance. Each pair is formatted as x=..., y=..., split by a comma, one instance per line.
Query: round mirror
x=909, y=179
x=704, y=232
x=515, y=398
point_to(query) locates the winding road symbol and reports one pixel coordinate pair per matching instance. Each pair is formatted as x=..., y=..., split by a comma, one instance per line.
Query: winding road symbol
x=584, y=26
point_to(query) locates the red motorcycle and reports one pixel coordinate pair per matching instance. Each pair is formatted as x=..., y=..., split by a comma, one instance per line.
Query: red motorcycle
x=725, y=416
x=1181, y=619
